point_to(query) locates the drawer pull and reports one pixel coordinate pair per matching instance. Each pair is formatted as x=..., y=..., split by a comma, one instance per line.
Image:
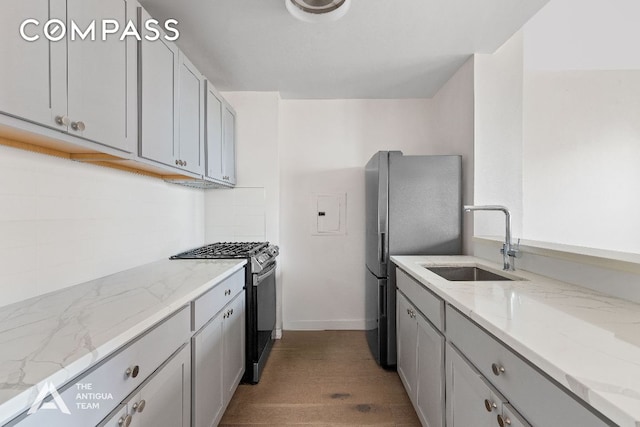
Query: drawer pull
x=139, y=406
x=124, y=421
x=132, y=372
x=503, y=421
x=227, y=292
x=489, y=405
x=497, y=369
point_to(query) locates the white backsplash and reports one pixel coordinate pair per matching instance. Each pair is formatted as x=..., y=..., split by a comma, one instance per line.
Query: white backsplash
x=236, y=215
x=64, y=222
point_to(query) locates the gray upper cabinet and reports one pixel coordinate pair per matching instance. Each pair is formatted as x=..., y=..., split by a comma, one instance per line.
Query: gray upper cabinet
x=229, y=144
x=158, y=71
x=171, y=106
x=84, y=87
x=102, y=77
x=190, y=117
x=221, y=140
x=33, y=82
x=214, y=134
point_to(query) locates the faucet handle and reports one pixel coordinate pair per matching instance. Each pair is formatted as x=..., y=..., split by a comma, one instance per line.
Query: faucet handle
x=514, y=251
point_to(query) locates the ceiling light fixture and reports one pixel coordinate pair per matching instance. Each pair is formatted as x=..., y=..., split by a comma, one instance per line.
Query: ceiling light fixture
x=318, y=10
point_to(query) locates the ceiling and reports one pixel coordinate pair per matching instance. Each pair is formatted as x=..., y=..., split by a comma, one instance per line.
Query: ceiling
x=380, y=49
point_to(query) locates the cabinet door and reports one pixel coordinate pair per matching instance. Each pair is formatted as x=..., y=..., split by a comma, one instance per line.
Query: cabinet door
x=511, y=418
x=207, y=350
x=214, y=135
x=234, y=339
x=430, y=377
x=33, y=75
x=159, y=68
x=102, y=75
x=190, y=115
x=468, y=396
x=118, y=418
x=229, y=144
x=407, y=337
x=165, y=399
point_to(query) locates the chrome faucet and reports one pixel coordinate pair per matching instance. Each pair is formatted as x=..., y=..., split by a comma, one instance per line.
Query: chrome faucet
x=509, y=251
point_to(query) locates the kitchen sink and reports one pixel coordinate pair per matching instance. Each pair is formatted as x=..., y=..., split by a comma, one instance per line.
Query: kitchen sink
x=466, y=274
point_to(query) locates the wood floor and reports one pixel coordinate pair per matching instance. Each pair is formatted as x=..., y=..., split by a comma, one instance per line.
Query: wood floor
x=323, y=378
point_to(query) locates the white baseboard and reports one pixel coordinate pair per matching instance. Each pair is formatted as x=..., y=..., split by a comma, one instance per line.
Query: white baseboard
x=278, y=334
x=325, y=325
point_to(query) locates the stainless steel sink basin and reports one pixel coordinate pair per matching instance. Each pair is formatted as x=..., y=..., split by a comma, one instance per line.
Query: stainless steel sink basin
x=466, y=274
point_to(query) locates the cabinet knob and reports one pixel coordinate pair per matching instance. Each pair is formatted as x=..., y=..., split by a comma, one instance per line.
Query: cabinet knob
x=503, y=421
x=497, y=369
x=62, y=120
x=78, y=126
x=177, y=162
x=132, y=372
x=489, y=405
x=124, y=421
x=139, y=406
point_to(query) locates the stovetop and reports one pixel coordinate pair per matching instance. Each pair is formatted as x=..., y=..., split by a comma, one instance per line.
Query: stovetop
x=224, y=250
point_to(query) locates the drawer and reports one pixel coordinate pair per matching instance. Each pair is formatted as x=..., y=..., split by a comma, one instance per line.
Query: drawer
x=211, y=302
x=422, y=298
x=540, y=400
x=92, y=396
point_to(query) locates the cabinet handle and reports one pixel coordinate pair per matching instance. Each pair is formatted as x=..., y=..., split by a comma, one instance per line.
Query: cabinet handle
x=497, y=369
x=231, y=312
x=503, y=421
x=124, y=421
x=177, y=162
x=489, y=405
x=185, y=163
x=139, y=406
x=132, y=372
x=78, y=126
x=62, y=120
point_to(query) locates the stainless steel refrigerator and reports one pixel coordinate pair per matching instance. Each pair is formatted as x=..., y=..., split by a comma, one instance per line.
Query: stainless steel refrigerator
x=413, y=207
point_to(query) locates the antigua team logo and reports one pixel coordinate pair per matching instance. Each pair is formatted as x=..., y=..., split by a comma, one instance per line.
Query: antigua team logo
x=56, y=401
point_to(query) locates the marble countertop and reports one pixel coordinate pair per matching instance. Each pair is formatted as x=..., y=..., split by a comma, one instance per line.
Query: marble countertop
x=587, y=341
x=57, y=336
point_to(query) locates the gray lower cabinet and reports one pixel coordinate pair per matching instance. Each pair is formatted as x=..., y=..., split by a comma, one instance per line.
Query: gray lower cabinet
x=540, y=401
x=117, y=377
x=487, y=384
x=218, y=359
x=163, y=400
x=471, y=400
x=420, y=362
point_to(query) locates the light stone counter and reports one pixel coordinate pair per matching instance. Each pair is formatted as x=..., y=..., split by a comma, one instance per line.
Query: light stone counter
x=588, y=342
x=57, y=336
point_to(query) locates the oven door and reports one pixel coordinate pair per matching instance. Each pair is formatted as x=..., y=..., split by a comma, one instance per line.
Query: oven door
x=265, y=283
x=261, y=322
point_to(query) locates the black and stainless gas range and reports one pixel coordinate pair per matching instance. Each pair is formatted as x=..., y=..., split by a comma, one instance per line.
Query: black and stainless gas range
x=260, y=288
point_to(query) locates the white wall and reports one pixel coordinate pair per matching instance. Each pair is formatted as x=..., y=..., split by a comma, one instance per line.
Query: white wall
x=582, y=157
x=498, y=137
x=581, y=127
x=63, y=222
x=451, y=131
x=324, y=147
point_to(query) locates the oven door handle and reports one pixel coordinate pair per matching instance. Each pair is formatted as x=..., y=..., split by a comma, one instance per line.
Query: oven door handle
x=259, y=278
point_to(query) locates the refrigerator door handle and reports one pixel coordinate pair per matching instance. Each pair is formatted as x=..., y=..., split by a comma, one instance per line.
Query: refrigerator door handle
x=381, y=248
